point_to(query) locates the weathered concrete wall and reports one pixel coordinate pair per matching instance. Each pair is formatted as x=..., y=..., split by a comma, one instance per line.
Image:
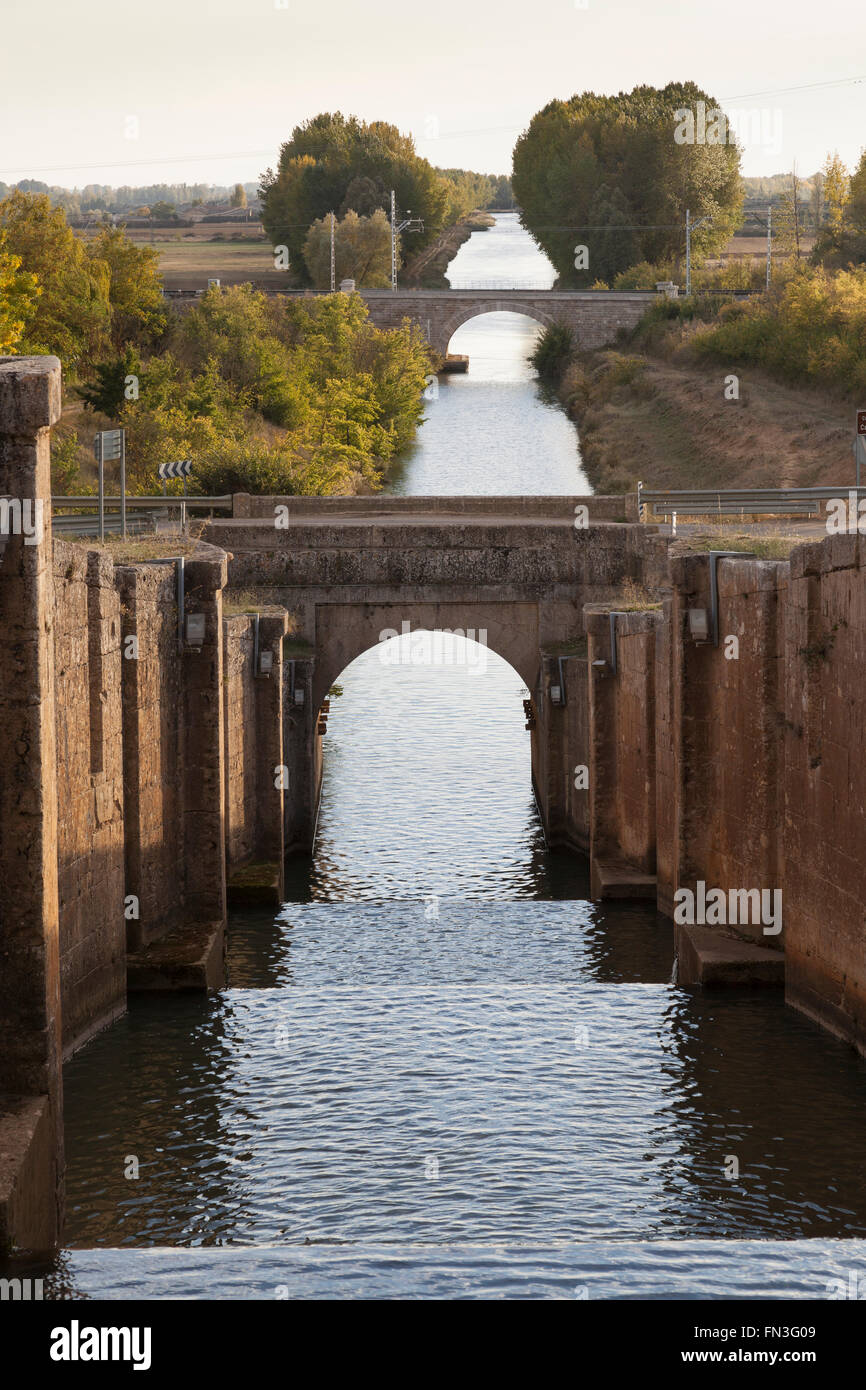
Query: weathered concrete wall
x=240, y=742
x=619, y=507
x=31, y=1118
x=256, y=785
x=90, y=843
x=719, y=734
x=203, y=771
x=824, y=826
x=622, y=750
x=152, y=750
x=560, y=749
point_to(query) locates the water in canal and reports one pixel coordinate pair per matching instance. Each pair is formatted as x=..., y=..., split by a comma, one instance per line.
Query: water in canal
x=495, y=430
x=441, y=1070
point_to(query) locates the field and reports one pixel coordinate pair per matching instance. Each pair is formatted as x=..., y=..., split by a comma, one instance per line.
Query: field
x=188, y=260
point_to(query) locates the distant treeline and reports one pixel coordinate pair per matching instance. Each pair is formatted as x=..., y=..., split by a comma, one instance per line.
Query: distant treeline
x=102, y=197
x=467, y=191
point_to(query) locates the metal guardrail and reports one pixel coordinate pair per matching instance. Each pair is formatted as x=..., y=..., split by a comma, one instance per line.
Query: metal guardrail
x=136, y=522
x=89, y=500
x=742, y=501
x=144, y=515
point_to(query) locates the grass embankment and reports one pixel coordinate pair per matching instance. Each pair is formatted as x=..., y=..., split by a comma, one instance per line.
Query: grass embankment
x=667, y=423
x=715, y=394
x=762, y=547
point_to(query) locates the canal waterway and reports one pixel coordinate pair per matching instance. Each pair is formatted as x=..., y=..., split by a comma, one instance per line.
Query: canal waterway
x=441, y=1070
x=494, y=430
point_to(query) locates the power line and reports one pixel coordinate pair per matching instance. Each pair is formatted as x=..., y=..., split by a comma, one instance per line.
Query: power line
x=449, y=134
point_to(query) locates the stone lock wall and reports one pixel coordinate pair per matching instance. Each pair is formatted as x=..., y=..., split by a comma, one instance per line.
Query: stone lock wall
x=152, y=748
x=31, y=1088
x=90, y=829
x=257, y=779
x=622, y=752
x=824, y=825
x=720, y=796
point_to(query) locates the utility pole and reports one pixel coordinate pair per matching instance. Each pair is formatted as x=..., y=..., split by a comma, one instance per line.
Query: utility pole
x=690, y=227
x=333, y=258
x=688, y=254
x=413, y=224
x=769, y=242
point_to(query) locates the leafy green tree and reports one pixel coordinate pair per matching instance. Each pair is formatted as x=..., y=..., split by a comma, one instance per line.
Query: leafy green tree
x=857, y=196
x=362, y=250
x=138, y=311
x=332, y=154
x=836, y=189
x=18, y=294
x=788, y=224
x=239, y=196
x=630, y=145
x=72, y=315
x=272, y=397
x=108, y=391
x=552, y=351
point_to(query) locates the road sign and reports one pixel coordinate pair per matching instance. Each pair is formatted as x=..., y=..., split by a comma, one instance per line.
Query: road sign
x=861, y=421
x=175, y=470
x=108, y=445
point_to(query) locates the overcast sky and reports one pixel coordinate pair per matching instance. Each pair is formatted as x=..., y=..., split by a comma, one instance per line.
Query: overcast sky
x=215, y=85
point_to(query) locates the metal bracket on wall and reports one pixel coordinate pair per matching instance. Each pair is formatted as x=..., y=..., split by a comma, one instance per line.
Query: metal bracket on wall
x=715, y=557
x=178, y=561
x=613, y=617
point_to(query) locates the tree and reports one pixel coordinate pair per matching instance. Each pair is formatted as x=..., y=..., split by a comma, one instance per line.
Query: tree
x=71, y=316
x=134, y=286
x=18, y=293
x=857, y=196
x=332, y=163
x=788, y=224
x=837, y=184
x=816, y=203
x=612, y=243
x=239, y=196
x=637, y=146
x=162, y=211
x=362, y=251
x=108, y=392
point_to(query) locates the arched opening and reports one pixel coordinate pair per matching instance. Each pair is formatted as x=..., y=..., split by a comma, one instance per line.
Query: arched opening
x=427, y=785
x=498, y=333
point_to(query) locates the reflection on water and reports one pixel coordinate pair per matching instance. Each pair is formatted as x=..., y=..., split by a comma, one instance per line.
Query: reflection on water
x=444, y=1067
x=444, y=1046
x=486, y=1100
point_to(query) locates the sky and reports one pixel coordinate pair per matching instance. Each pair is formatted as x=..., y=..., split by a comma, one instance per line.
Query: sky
x=102, y=91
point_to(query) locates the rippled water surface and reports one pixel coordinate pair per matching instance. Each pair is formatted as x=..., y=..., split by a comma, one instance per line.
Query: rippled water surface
x=441, y=1070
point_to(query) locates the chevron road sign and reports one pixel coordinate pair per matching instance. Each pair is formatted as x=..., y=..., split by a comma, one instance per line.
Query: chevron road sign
x=175, y=470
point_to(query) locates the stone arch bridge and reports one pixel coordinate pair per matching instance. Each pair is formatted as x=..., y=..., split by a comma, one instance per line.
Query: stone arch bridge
x=594, y=316
x=352, y=569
